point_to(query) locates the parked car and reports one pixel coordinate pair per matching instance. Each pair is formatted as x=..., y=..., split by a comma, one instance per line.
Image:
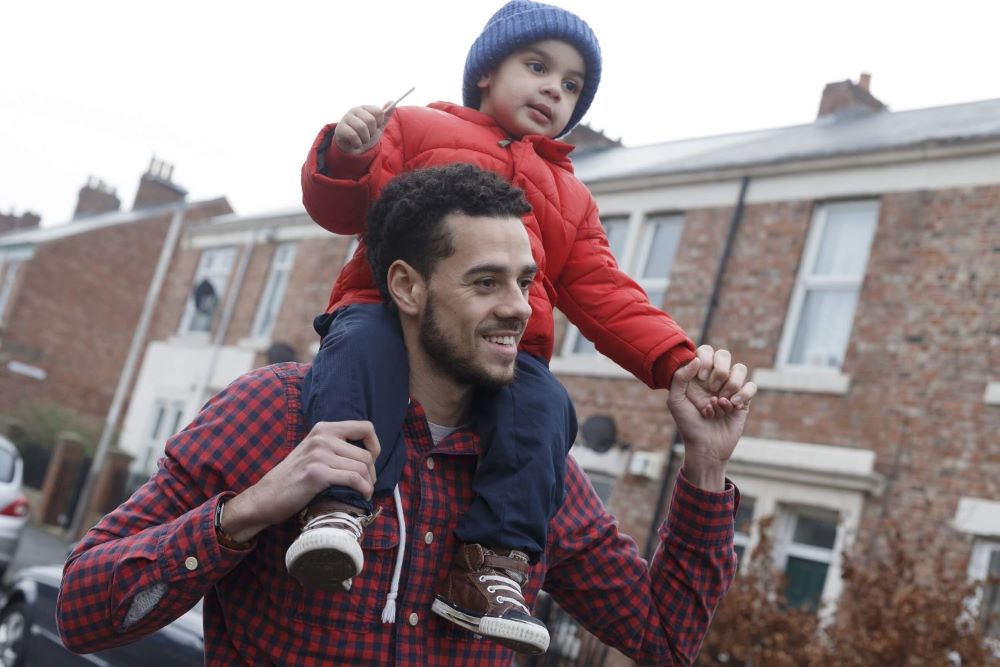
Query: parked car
x=28, y=634
x=13, y=503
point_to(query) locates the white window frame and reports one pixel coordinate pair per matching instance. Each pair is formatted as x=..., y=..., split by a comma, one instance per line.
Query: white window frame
x=8, y=279
x=806, y=282
x=783, y=476
x=158, y=431
x=979, y=563
x=980, y=518
x=786, y=547
x=352, y=248
x=743, y=539
x=274, y=290
x=200, y=274
x=634, y=253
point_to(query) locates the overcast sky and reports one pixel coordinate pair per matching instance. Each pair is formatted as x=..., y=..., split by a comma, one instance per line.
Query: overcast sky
x=232, y=93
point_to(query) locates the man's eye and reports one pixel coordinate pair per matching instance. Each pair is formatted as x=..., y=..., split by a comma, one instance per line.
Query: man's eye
x=486, y=283
x=526, y=283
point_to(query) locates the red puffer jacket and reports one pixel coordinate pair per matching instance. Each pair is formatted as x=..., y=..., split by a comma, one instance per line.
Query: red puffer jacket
x=577, y=272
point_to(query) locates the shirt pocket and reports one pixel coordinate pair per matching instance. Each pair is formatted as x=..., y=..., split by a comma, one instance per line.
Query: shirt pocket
x=360, y=608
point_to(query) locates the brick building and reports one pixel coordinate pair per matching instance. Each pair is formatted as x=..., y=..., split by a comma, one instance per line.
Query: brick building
x=71, y=295
x=851, y=262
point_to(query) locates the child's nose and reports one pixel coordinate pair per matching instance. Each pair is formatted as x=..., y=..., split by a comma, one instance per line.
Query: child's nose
x=553, y=89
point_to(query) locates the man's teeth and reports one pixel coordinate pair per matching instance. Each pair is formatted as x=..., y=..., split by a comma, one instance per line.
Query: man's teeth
x=501, y=340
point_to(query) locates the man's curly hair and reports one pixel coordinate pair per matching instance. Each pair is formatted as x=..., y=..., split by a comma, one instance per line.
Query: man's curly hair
x=407, y=220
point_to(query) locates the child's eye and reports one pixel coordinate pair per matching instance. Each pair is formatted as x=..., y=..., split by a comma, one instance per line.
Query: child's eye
x=536, y=67
x=571, y=86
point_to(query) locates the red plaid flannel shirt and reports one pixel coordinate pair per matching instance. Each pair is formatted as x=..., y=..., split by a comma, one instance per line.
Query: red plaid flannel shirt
x=158, y=553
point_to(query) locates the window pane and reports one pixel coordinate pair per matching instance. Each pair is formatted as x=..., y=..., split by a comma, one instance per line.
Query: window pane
x=583, y=346
x=740, y=550
x=603, y=485
x=846, y=239
x=744, y=515
x=824, y=327
x=662, y=249
x=804, y=582
x=617, y=231
x=815, y=532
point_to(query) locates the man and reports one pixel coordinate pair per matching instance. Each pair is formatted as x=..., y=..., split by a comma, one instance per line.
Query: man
x=217, y=517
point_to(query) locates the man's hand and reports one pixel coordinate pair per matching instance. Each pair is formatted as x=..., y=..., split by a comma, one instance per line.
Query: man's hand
x=361, y=128
x=324, y=458
x=709, y=401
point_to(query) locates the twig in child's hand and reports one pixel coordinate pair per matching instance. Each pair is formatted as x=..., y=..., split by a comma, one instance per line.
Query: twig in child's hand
x=392, y=105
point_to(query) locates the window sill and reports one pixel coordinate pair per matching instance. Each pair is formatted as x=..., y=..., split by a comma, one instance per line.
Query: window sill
x=591, y=365
x=809, y=380
x=198, y=339
x=254, y=344
x=992, y=394
x=976, y=516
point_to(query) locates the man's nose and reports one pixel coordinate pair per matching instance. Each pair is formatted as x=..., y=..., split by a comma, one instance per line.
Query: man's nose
x=514, y=305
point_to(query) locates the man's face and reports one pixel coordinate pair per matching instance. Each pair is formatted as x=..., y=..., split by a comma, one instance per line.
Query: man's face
x=534, y=90
x=477, y=301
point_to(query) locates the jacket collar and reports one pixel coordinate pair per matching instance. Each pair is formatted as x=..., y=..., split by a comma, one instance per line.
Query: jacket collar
x=551, y=149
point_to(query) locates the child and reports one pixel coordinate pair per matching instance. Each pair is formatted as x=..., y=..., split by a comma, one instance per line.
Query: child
x=529, y=78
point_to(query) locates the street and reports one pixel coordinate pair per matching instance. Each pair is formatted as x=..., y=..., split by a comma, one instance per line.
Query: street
x=38, y=547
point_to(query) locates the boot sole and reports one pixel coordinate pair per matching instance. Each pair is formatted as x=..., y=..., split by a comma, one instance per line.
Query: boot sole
x=522, y=637
x=324, y=558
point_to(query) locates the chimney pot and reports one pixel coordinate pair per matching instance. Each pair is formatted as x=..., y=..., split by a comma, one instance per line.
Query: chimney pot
x=864, y=81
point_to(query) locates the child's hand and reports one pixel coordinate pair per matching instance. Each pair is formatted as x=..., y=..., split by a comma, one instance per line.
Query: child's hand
x=720, y=386
x=361, y=128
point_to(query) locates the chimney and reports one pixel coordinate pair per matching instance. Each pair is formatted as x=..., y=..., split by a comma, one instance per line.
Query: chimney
x=587, y=139
x=156, y=188
x=849, y=98
x=95, y=197
x=14, y=223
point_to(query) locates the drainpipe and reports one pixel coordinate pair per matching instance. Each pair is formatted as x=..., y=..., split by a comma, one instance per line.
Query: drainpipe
x=128, y=370
x=652, y=540
x=198, y=395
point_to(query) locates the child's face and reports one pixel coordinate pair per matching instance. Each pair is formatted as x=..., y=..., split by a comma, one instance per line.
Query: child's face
x=535, y=89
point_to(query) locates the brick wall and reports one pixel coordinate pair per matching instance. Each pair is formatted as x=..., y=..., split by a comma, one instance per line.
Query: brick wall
x=923, y=346
x=77, y=305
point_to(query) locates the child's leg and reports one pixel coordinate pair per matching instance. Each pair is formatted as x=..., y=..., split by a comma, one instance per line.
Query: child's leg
x=527, y=430
x=360, y=373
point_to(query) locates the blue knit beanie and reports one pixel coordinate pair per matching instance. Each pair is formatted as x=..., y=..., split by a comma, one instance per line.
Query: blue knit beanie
x=523, y=22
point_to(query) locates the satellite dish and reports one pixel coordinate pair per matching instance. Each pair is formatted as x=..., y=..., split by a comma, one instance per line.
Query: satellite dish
x=279, y=353
x=599, y=432
x=205, y=297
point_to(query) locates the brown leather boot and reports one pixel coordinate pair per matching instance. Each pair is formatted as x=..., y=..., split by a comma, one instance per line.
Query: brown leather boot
x=327, y=554
x=483, y=594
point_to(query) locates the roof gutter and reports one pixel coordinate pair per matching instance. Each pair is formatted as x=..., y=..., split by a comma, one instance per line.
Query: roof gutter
x=793, y=165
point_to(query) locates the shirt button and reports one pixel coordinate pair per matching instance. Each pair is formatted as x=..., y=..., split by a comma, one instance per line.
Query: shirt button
x=191, y=563
x=414, y=619
x=429, y=537
x=430, y=463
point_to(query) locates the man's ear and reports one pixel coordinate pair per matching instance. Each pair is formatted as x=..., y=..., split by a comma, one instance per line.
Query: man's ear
x=406, y=287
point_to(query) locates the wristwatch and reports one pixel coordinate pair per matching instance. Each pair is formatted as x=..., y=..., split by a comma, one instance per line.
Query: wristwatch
x=221, y=535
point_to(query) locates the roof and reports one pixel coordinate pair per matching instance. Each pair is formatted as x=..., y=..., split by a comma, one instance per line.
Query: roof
x=39, y=235
x=831, y=136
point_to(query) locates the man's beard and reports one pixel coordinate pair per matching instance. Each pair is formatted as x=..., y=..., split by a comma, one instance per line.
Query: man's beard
x=447, y=357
